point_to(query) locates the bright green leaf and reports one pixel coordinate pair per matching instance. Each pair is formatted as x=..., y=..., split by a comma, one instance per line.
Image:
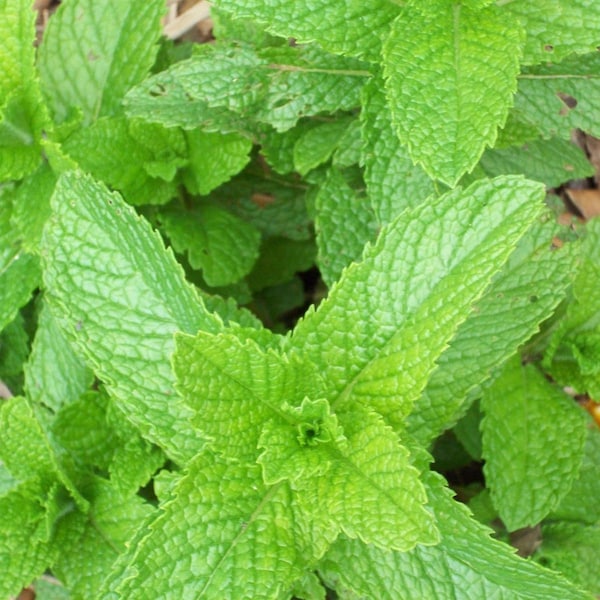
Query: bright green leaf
x=223, y=246
x=451, y=72
x=522, y=295
x=466, y=564
x=417, y=283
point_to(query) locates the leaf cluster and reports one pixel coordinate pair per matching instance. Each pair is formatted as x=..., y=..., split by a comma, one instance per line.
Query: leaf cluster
x=251, y=290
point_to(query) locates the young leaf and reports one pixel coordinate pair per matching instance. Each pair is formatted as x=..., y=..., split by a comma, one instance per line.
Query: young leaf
x=214, y=159
x=110, y=150
x=235, y=388
x=533, y=436
x=393, y=181
x=19, y=272
x=556, y=28
x=24, y=553
x=222, y=535
x=557, y=98
x=371, y=485
x=344, y=224
x=522, y=295
x=341, y=26
x=466, y=564
x=55, y=375
x=417, y=283
x=223, y=246
x=87, y=545
x=120, y=296
x=451, y=73
x=85, y=57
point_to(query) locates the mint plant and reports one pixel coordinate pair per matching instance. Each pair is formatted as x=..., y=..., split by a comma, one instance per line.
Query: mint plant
x=184, y=414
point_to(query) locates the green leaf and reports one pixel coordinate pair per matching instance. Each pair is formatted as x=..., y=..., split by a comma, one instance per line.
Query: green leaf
x=556, y=28
x=222, y=535
x=87, y=545
x=24, y=553
x=217, y=242
x=451, y=73
x=344, y=224
x=533, y=436
x=55, y=375
x=111, y=150
x=341, y=26
x=316, y=145
x=14, y=349
x=276, y=86
x=85, y=58
x=371, y=485
x=120, y=296
x=235, y=388
x=22, y=115
x=393, y=181
x=31, y=207
x=552, y=161
x=466, y=564
x=29, y=451
x=557, y=98
x=214, y=159
x=297, y=442
x=19, y=272
x=522, y=295
x=581, y=503
x=572, y=549
x=418, y=282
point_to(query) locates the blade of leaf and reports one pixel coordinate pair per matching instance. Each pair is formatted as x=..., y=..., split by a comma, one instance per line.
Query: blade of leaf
x=466, y=564
x=523, y=294
x=85, y=58
x=525, y=415
x=346, y=27
x=223, y=535
x=377, y=336
x=120, y=296
x=451, y=73
x=235, y=387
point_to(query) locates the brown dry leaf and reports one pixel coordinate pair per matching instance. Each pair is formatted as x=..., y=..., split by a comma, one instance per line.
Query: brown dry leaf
x=586, y=201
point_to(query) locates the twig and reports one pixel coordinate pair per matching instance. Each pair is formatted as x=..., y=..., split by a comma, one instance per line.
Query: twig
x=5, y=393
x=188, y=20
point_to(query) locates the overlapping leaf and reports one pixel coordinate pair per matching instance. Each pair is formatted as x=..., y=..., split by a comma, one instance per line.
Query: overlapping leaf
x=450, y=82
x=417, y=283
x=120, y=296
x=85, y=59
x=525, y=416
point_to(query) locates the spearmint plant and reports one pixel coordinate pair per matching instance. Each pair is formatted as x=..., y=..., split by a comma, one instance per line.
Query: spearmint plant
x=183, y=415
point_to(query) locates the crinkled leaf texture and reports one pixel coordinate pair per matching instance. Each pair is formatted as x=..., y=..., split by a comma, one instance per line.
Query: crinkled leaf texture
x=120, y=297
x=522, y=295
x=343, y=26
x=86, y=55
x=222, y=83
x=465, y=565
x=411, y=291
x=222, y=535
x=533, y=437
x=451, y=73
